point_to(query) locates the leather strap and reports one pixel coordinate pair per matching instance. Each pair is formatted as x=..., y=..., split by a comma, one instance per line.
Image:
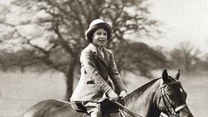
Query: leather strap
x=133, y=114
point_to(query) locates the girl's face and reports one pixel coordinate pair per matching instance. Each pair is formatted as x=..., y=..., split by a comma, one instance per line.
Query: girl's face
x=99, y=37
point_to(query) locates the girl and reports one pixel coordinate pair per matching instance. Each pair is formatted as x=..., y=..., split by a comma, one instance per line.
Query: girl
x=97, y=66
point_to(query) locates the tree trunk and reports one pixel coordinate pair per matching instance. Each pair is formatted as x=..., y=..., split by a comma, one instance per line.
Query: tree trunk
x=69, y=84
x=70, y=79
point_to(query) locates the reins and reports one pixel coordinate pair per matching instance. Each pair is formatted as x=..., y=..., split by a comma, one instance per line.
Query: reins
x=123, y=108
x=120, y=107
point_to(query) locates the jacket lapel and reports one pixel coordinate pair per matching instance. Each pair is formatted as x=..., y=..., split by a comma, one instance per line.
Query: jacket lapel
x=98, y=54
x=106, y=55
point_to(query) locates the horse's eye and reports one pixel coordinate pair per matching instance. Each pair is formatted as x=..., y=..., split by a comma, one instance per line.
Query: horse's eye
x=169, y=94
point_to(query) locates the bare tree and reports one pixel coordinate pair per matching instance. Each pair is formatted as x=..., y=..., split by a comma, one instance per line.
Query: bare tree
x=186, y=56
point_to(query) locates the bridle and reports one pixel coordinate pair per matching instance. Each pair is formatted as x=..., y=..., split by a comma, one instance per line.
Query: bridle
x=172, y=112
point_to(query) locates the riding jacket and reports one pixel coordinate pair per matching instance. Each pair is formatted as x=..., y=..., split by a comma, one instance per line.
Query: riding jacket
x=95, y=73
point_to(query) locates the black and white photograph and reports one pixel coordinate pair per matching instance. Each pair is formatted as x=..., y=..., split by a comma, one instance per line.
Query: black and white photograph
x=103, y=58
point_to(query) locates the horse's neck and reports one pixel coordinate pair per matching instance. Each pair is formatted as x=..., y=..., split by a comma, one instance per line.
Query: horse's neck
x=140, y=101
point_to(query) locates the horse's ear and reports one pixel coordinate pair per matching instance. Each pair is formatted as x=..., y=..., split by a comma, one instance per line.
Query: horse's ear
x=177, y=74
x=165, y=75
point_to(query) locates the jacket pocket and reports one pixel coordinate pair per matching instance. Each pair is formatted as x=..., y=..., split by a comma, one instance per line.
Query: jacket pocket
x=91, y=82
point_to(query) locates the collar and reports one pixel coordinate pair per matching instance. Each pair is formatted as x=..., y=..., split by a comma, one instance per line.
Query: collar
x=95, y=50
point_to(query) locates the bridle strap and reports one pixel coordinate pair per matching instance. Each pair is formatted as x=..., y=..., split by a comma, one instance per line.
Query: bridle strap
x=168, y=106
x=180, y=107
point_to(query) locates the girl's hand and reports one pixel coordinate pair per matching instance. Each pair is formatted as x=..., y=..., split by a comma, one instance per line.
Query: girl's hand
x=113, y=96
x=123, y=94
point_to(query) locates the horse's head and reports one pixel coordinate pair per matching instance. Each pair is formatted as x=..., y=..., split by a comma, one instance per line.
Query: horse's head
x=172, y=99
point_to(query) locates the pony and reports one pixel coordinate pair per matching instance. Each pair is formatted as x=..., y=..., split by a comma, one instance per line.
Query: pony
x=161, y=95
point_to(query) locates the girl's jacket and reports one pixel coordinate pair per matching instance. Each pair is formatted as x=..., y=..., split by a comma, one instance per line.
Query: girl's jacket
x=95, y=74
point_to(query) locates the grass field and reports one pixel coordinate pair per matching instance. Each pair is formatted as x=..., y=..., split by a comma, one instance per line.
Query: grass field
x=19, y=91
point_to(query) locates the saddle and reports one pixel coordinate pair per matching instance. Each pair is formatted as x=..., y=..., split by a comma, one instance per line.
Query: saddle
x=107, y=107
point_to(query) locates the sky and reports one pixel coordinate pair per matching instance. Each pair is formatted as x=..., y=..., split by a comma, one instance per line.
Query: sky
x=181, y=20
x=5, y=2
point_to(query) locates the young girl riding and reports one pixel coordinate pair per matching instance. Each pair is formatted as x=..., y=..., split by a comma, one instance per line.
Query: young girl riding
x=97, y=66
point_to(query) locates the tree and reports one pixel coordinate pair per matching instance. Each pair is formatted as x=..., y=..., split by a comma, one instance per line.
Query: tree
x=136, y=56
x=13, y=60
x=60, y=26
x=185, y=56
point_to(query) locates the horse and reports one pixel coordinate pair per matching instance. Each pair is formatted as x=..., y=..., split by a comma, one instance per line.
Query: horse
x=161, y=95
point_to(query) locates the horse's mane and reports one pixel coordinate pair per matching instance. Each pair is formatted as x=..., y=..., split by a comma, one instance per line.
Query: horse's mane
x=137, y=92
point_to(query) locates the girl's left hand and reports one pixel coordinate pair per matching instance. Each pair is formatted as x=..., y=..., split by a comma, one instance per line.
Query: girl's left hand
x=123, y=94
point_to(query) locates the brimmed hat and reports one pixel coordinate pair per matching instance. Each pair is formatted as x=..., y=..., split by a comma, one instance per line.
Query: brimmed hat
x=96, y=24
